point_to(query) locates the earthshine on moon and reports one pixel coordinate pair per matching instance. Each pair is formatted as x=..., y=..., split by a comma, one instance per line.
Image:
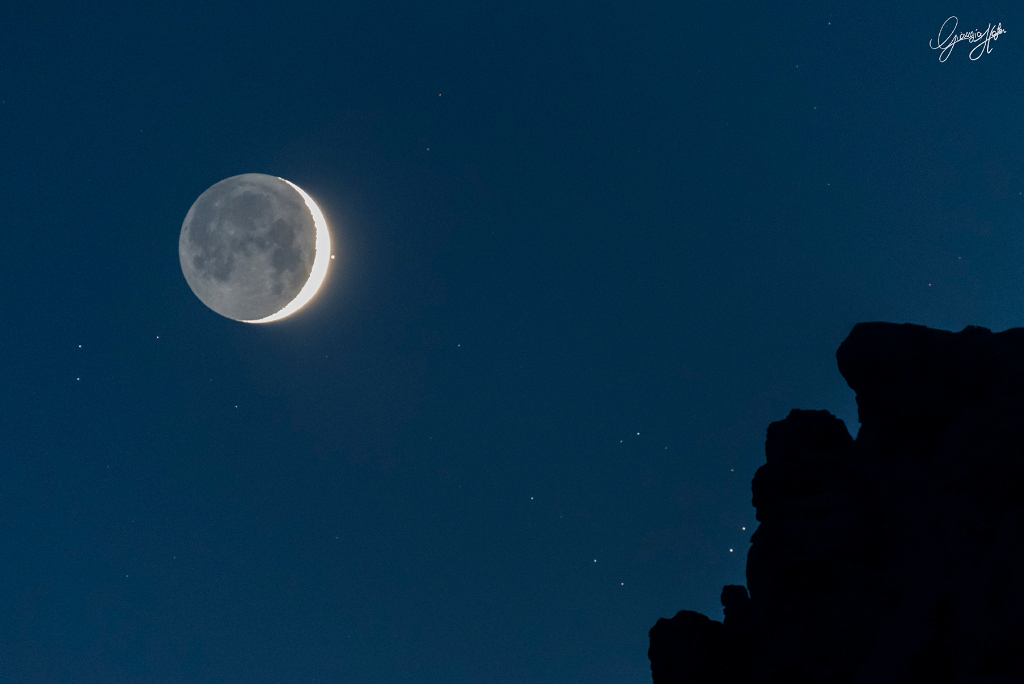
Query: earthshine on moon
x=254, y=248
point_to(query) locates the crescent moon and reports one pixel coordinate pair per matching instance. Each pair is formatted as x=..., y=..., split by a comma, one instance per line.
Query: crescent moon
x=320, y=262
x=254, y=248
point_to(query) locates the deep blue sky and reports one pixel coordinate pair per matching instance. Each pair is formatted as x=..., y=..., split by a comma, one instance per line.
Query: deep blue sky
x=585, y=255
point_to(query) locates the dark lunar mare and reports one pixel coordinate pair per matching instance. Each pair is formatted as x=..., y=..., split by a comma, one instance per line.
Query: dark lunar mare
x=247, y=246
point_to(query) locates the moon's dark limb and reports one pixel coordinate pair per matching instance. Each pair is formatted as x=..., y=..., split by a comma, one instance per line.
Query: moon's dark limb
x=247, y=246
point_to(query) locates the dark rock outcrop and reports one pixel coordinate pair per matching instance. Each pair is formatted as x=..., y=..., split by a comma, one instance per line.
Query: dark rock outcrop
x=898, y=557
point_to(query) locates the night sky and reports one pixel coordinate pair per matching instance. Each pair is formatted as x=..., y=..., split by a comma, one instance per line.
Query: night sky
x=585, y=254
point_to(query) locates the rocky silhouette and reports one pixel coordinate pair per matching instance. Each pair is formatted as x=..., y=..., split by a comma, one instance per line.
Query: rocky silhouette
x=895, y=557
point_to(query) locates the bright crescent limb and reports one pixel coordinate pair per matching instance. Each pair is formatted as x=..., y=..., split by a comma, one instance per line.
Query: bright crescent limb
x=320, y=262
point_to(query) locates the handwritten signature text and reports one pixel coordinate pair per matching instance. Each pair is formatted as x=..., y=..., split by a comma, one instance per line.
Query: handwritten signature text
x=983, y=38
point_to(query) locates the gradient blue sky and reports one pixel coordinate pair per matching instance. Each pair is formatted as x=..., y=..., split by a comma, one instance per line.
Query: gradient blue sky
x=586, y=254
